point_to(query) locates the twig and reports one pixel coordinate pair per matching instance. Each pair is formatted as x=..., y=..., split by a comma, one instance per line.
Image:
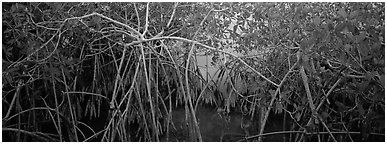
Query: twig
x=310, y=99
x=263, y=123
x=308, y=93
x=32, y=109
x=56, y=104
x=35, y=134
x=138, y=17
x=208, y=47
x=78, y=18
x=74, y=119
x=172, y=15
x=357, y=61
x=148, y=86
x=53, y=51
x=211, y=48
x=118, y=77
x=15, y=96
x=186, y=75
x=146, y=21
x=287, y=132
x=329, y=92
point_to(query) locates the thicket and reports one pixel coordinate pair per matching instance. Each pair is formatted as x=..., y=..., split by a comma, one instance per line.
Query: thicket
x=321, y=64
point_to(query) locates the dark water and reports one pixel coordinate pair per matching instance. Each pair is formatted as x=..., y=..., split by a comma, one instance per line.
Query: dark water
x=215, y=127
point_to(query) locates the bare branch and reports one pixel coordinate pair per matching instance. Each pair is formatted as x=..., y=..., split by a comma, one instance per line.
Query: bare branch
x=308, y=93
x=172, y=15
x=310, y=100
x=207, y=47
x=146, y=21
x=263, y=123
x=138, y=17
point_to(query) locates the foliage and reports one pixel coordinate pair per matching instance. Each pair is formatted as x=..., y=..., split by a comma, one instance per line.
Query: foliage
x=129, y=65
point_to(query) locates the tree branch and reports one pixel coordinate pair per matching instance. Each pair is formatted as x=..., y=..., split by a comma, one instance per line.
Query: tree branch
x=146, y=21
x=310, y=99
x=172, y=15
x=263, y=123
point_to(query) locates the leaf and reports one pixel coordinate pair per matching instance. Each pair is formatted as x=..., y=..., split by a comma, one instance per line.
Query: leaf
x=298, y=116
x=246, y=14
x=342, y=13
x=373, y=22
x=365, y=130
x=317, y=21
x=382, y=79
x=371, y=75
x=235, y=28
x=308, y=28
x=291, y=35
x=7, y=79
x=284, y=96
x=274, y=16
x=353, y=14
x=279, y=107
x=324, y=116
x=363, y=49
x=310, y=127
x=340, y=27
x=360, y=109
x=305, y=62
x=363, y=86
x=272, y=92
x=304, y=44
x=360, y=37
x=340, y=106
x=376, y=46
x=347, y=47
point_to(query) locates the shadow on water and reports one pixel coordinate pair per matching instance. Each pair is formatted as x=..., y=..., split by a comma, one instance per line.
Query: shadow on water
x=215, y=127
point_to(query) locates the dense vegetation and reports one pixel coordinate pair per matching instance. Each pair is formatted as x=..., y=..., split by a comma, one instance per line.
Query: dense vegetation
x=128, y=66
